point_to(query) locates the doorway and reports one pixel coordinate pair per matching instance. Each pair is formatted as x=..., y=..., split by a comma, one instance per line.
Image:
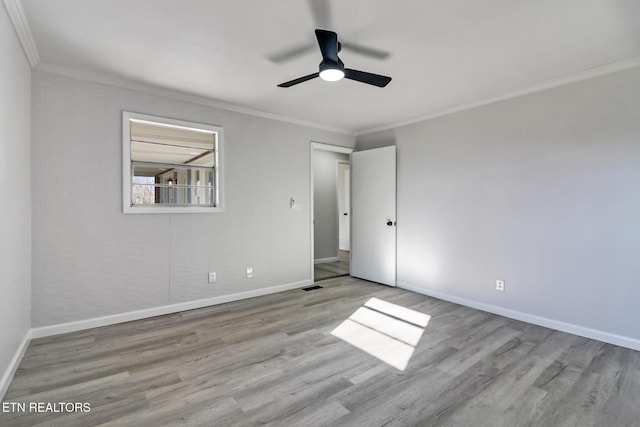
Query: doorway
x=330, y=211
x=344, y=205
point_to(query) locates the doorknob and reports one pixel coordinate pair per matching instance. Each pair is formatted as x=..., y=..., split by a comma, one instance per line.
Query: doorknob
x=389, y=223
x=345, y=214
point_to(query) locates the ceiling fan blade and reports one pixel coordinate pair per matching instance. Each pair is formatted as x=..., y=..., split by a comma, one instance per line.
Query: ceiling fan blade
x=366, y=51
x=364, y=77
x=321, y=12
x=328, y=42
x=299, y=80
x=290, y=54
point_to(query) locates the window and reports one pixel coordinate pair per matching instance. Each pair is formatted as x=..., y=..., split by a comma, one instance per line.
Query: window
x=170, y=166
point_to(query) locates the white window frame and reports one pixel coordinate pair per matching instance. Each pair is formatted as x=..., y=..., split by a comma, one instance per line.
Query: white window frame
x=127, y=207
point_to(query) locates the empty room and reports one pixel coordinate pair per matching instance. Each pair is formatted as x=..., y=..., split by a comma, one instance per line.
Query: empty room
x=320, y=213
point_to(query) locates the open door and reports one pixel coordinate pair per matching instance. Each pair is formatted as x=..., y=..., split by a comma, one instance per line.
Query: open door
x=344, y=206
x=373, y=215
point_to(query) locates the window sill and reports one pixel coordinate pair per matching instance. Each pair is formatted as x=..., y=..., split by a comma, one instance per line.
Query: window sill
x=170, y=209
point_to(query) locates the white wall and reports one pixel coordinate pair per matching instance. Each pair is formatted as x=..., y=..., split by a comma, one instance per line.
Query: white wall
x=90, y=260
x=377, y=140
x=542, y=191
x=15, y=195
x=325, y=203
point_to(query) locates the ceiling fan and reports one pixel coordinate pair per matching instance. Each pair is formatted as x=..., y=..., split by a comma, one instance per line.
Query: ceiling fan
x=322, y=17
x=332, y=68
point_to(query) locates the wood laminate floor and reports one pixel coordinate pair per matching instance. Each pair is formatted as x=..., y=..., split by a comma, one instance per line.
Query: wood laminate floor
x=329, y=270
x=273, y=360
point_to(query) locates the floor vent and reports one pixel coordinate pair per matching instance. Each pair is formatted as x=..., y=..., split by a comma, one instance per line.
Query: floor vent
x=312, y=288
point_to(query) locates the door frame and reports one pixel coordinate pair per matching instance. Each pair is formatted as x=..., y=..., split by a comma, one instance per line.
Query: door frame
x=320, y=146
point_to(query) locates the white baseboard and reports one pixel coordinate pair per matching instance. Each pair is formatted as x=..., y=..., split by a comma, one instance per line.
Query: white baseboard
x=64, y=328
x=13, y=365
x=558, y=325
x=325, y=260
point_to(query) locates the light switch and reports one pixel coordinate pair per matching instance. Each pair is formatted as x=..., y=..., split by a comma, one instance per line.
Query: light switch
x=294, y=206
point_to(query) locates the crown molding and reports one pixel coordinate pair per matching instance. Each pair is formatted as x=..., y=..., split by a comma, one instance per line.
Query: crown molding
x=549, y=84
x=149, y=89
x=23, y=30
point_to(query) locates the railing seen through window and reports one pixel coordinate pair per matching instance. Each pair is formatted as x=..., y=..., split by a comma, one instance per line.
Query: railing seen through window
x=172, y=164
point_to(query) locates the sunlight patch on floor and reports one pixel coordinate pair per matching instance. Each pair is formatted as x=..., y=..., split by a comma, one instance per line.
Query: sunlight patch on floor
x=387, y=331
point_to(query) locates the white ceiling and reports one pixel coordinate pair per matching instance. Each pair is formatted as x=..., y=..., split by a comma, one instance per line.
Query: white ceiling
x=444, y=53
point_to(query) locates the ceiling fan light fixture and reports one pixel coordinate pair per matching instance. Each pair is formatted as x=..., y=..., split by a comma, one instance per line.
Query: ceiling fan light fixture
x=331, y=74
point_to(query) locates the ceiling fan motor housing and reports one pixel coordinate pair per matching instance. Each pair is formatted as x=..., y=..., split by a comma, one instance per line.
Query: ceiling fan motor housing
x=328, y=64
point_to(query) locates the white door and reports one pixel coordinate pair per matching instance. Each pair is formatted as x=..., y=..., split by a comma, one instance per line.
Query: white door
x=343, y=206
x=373, y=215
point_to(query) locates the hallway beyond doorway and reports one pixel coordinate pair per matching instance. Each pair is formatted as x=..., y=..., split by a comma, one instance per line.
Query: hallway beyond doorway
x=329, y=270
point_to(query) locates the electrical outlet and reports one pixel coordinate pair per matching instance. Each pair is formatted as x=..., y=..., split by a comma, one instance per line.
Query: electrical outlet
x=249, y=271
x=500, y=285
x=212, y=277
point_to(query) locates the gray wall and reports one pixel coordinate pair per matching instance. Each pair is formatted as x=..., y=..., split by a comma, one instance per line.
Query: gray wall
x=325, y=203
x=542, y=191
x=15, y=193
x=90, y=260
x=380, y=139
